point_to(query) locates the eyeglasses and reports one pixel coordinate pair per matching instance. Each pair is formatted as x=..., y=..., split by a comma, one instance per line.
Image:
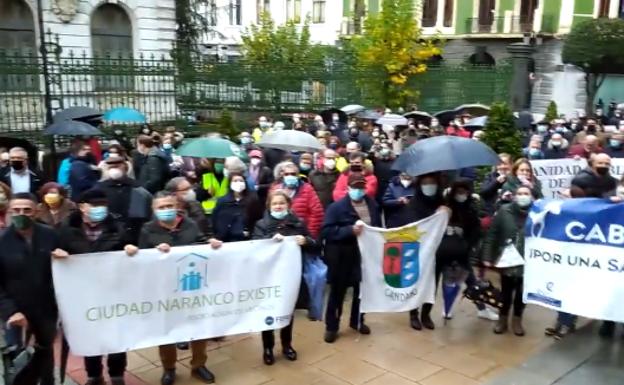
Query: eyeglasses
x=290, y=174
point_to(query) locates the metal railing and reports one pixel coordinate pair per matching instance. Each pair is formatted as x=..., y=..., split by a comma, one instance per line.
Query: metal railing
x=508, y=25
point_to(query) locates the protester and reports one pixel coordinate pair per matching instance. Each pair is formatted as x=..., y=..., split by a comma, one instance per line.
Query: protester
x=615, y=149
x=521, y=174
x=83, y=175
x=491, y=185
x=588, y=146
x=187, y=204
x=340, y=230
x=324, y=179
x=595, y=180
x=382, y=162
x=280, y=221
x=557, y=147
x=396, y=201
x=20, y=178
x=115, y=150
x=236, y=213
x=534, y=150
x=55, y=206
x=5, y=198
x=259, y=175
x=154, y=169
x=356, y=164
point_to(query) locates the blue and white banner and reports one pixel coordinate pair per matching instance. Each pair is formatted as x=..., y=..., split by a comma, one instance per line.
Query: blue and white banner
x=574, y=255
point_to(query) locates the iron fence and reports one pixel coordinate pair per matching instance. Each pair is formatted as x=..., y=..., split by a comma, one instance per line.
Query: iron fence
x=169, y=93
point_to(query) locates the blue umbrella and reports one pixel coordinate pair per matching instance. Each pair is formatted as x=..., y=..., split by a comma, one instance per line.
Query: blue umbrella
x=444, y=153
x=71, y=128
x=450, y=291
x=124, y=115
x=476, y=122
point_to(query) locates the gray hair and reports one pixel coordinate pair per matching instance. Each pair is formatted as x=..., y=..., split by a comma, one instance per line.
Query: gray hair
x=172, y=185
x=163, y=194
x=233, y=163
x=281, y=166
x=18, y=149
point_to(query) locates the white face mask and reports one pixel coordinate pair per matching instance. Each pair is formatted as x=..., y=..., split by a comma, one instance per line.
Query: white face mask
x=238, y=186
x=255, y=161
x=330, y=164
x=406, y=183
x=115, y=173
x=190, y=196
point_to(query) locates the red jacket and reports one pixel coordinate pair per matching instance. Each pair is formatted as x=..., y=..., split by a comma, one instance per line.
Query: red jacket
x=307, y=206
x=341, y=189
x=461, y=132
x=579, y=150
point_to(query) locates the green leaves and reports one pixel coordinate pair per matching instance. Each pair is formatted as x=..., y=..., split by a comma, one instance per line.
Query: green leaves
x=595, y=45
x=501, y=133
x=551, y=112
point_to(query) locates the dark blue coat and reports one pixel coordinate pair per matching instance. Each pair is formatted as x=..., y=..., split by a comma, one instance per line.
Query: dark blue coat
x=489, y=193
x=81, y=177
x=342, y=253
x=231, y=218
x=397, y=214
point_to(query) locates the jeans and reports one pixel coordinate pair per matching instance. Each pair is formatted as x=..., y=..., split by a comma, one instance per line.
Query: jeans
x=566, y=319
x=116, y=364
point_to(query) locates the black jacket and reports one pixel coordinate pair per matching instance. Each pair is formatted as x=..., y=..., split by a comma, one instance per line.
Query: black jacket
x=75, y=241
x=36, y=181
x=489, y=193
x=231, y=218
x=26, y=274
x=324, y=183
x=264, y=182
x=292, y=225
x=595, y=186
x=187, y=233
x=154, y=172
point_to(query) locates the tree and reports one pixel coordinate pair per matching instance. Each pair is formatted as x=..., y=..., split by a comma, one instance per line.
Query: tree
x=501, y=133
x=551, y=112
x=392, y=44
x=595, y=47
x=227, y=126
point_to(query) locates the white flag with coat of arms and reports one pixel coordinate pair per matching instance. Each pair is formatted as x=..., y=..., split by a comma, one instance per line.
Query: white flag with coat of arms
x=398, y=265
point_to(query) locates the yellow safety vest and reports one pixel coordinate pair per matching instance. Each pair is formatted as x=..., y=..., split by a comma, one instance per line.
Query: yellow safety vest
x=342, y=164
x=209, y=181
x=257, y=133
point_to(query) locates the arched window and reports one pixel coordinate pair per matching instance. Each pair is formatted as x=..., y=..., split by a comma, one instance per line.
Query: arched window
x=111, y=42
x=18, y=47
x=482, y=58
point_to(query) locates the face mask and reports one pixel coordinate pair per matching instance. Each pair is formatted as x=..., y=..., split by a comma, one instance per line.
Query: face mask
x=190, y=196
x=541, y=128
x=52, y=198
x=406, y=183
x=375, y=134
x=602, y=170
x=434, y=123
x=333, y=146
x=263, y=124
x=167, y=146
x=238, y=186
x=356, y=168
x=335, y=118
x=115, y=173
x=296, y=120
x=461, y=198
x=166, y=215
x=226, y=172
x=534, y=152
x=17, y=165
x=614, y=143
x=356, y=194
x=591, y=128
x=304, y=166
x=218, y=167
x=97, y=214
x=255, y=161
x=291, y=181
x=22, y=222
x=245, y=140
x=429, y=189
x=524, y=200
x=559, y=129
x=279, y=214
x=329, y=164
x=384, y=152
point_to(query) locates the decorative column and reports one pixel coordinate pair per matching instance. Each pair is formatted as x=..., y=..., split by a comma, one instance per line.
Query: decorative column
x=522, y=55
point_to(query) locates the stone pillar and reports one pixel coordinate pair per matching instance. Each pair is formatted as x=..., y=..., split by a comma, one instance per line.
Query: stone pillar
x=520, y=86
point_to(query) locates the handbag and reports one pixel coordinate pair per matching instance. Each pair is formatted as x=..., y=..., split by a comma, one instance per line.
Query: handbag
x=18, y=366
x=315, y=275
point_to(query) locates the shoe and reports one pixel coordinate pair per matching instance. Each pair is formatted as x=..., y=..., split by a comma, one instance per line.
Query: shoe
x=447, y=316
x=502, y=325
x=516, y=327
x=361, y=328
x=95, y=381
x=563, y=330
x=331, y=337
x=267, y=357
x=118, y=381
x=290, y=353
x=425, y=316
x=168, y=377
x=415, y=320
x=487, y=314
x=203, y=374
x=183, y=346
x=552, y=330
x=607, y=329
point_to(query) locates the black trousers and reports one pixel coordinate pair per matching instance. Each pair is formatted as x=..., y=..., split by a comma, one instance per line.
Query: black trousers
x=116, y=365
x=511, y=290
x=44, y=332
x=268, y=336
x=426, y=307
x=337, y=293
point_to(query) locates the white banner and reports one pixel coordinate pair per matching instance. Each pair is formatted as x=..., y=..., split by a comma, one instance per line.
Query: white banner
x=574, y=257
x=556, y=175
x=110, y=302
x=398, y=265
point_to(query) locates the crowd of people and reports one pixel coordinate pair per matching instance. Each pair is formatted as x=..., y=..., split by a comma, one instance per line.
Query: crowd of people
x=137, y=193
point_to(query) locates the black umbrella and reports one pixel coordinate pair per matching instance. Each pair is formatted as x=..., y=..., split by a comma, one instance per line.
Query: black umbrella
x=473, y=110
x=445, y=117
x=327, y=116
x=368, y=114
x=71, y=128
x=444, y=153
x=419, y=116
x=77, y=113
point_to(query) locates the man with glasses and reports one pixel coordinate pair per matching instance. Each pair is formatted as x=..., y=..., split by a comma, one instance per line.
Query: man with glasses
x=187, y=203
x=26, y=287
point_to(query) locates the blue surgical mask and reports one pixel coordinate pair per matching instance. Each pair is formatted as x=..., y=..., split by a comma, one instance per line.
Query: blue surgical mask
x=560, y=129
x=461, y=198
x=534, y=152
x=429, y=189
x=263, y=124
x=279, y=214
x=356, y=193
x=166, y=146
x=304, y=166
x=333, y=146
x=542, y=128
x=291, y=181
x=245, y=140
x=384, y=152
x=166, y=215
x=97, y=214
x=614, y=143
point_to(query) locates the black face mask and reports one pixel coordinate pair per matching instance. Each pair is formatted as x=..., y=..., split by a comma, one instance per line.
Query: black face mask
x=356, y=168
x=354, y=134
x=591, y=128
x=602, y=171
x=17, y=165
